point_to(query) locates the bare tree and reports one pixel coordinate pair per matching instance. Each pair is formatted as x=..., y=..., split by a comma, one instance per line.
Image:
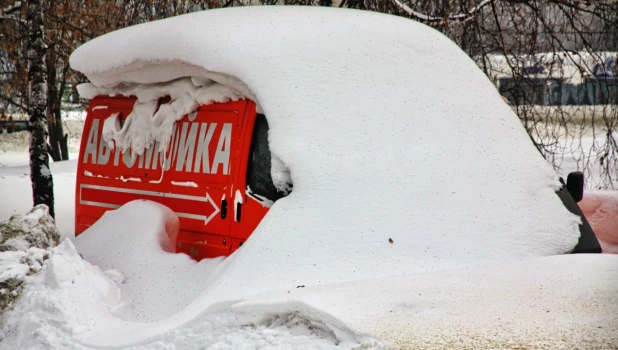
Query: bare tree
x=42, y=182
x=543, y=56
x=552, y=60
x=38, y=37
x=65, y=25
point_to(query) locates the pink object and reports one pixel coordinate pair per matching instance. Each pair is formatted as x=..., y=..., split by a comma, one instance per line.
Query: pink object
x=172, y=227
x=601, y=210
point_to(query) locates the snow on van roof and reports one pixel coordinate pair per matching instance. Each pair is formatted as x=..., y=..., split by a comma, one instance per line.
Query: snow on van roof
x=403, y=155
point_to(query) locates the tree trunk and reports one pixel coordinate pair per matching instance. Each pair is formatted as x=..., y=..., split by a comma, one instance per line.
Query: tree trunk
x=51, y=101
x=40, y=175
x=57, y=139
x=63, y=139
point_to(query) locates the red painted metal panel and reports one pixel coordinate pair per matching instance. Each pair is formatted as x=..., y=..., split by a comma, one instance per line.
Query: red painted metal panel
x=202, y=166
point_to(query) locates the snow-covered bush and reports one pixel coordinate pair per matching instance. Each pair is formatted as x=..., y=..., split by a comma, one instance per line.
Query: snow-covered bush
x=24, y=240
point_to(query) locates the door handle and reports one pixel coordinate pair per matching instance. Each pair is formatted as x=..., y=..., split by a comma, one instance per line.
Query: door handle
x=224, y=209
x=238, y=211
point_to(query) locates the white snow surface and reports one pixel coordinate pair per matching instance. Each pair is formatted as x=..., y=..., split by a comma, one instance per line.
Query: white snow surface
x=282, y=180
x=72, y=297
x=389, y=131
x=145, y=258
x=557, y=302
x=68, y=297
x=16, y=191
x=364, y=110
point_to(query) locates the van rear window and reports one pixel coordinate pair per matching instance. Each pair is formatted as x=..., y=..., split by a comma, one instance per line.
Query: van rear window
x=259, y=176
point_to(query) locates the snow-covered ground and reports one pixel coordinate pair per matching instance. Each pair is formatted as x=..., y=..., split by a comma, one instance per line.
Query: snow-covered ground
x=552, y=303
x=559, y=302
x=15, y=173
x=418, y=219
x=16, y=190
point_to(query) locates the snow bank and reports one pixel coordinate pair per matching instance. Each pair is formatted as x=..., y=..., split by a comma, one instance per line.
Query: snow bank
x=23, y=243
x=35, y=229
x=66, y=296
x=556, y=302
x=559, y=302
x=404, y=157
x=135, y=240
x=239, y=330
x=14, y=267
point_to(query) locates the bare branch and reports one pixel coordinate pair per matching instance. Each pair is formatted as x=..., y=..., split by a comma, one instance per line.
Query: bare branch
x=461, y=17
x=16, y=6
x=11, y=13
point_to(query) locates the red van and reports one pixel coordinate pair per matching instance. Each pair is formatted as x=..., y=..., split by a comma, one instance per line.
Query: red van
x=215, y=173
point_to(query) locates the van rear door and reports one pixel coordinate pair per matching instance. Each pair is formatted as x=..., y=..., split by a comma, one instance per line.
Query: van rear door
x=193, y=175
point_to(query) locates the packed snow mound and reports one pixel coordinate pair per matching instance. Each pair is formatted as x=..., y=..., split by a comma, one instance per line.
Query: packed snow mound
x=403, y=155
x=14, y=267
x=34, y=229
x=65, y=296
x=135, y=241
x=23, y=243
x=238, y=330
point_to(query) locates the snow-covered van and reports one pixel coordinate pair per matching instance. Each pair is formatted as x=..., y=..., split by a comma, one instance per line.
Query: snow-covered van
x=399, y=147
x=215, y=173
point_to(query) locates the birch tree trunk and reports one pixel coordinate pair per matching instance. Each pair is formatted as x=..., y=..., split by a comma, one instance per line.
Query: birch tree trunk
x=42, y=182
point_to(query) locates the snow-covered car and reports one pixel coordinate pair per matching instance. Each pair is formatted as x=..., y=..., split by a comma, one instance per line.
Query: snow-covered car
x=421, y=214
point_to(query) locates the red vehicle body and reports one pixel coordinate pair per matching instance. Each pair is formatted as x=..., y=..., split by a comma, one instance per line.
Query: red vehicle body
x=201, y=175
x=206, y=174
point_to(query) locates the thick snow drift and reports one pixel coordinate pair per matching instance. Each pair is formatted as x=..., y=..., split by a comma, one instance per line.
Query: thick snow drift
x=551, y=302
x=135, y=240
x=23, y=240
x=557, y=302
x=65, y=296
x=403, y=155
